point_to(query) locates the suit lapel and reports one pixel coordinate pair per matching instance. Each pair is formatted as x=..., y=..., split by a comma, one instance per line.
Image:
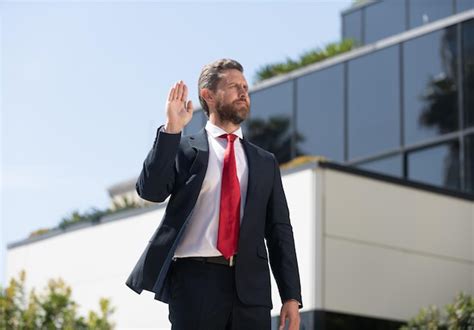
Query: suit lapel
x=199, y=143
x=252, y=164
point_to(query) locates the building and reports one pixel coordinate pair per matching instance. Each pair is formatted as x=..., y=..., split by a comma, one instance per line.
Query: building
x=383, y=227
x=371, y=248
x=402, y=105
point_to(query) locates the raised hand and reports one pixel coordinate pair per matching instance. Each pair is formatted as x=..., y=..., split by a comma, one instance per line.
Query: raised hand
x=179, y=111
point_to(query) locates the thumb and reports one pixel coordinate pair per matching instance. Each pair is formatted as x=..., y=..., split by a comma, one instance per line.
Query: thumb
x=189, y=106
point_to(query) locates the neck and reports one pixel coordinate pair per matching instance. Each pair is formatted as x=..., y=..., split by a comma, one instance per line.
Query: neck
x=225, y=125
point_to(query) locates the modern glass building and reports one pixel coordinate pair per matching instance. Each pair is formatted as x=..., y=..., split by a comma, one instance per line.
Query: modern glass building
x=401, y=104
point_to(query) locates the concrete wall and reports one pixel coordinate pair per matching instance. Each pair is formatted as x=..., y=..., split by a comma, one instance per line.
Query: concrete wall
x=390, y=249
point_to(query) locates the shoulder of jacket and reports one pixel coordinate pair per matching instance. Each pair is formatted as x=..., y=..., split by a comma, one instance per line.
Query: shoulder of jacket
x=262, y=152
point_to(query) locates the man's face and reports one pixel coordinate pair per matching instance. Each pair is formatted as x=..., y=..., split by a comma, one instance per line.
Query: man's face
x=232, y=98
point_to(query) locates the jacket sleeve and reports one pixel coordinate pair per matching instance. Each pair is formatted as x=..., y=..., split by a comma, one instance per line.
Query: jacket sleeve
x=157, y=178
x=280, y=242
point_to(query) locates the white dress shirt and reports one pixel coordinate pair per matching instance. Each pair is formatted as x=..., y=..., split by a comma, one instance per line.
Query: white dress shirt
x=200, y=235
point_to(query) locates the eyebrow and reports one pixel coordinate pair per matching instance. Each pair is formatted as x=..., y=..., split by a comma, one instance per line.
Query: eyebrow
x=234, y=83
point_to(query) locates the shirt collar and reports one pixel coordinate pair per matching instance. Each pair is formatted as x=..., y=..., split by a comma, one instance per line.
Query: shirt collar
x=216, y=131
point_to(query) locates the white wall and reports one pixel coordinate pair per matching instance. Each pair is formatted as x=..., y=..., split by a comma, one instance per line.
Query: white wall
x=300, y=193
x=390, y=250
x=96, y=262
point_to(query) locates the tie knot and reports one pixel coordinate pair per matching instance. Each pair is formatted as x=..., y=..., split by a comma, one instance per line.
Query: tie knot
x=229, y=137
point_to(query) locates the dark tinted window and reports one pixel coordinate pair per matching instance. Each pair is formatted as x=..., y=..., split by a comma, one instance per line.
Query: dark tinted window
x=197, y=122
x=469, y=162
x=270, y=124
x=438, y=165
x=468, y=71
x=383, y=19
x=388, y=165
x=462, y=5
x=352, y=26
x=374, y=102
x=320, y=115
x=426, y=11
x=430, y=92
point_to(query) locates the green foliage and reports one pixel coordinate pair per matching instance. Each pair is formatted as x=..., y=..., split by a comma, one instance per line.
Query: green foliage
x=309, y=57
x=457, y=316
x=52, y=309
x=92, y=215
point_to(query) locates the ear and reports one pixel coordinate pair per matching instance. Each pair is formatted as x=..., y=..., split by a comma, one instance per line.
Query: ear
x=207, y=95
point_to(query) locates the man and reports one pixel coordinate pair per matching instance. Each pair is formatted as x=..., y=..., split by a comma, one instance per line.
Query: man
x=207, y=259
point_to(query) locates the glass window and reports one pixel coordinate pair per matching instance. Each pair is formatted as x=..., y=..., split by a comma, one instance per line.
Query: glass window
x=270, y=124
x=384, y=19
x=430, y=92
x=392, y=165
x=374, y=102
x=197, y=122
x=426, y=11
x=352, y=26
x=468, y=71
x=438, y=165
x=469, y=162
x=462, y=5
x=320, y=113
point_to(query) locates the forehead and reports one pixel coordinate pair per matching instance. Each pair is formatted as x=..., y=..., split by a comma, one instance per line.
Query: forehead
x=232, y=76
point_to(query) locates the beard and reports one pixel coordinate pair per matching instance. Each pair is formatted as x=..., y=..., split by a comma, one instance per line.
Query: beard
x=232, y=112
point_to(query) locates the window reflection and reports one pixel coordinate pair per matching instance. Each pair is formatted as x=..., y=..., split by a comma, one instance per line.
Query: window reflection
x=374, y=102
x=392, y=165
x=270, y=123
x=320, y=113
x=430, y=91
x=197, y=122
x=469, y=163
x=426, y=11
x=468, y=71
x=352, y=26
x=437, y=165
x=462, y=5
x=383, y=19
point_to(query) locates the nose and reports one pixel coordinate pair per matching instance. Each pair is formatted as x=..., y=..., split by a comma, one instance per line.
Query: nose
x=242, y=92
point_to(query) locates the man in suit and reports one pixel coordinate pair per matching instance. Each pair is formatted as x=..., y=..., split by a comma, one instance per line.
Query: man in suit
x=207, y=259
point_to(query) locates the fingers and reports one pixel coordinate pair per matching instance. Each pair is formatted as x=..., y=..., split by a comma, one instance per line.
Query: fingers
x=185, y=92
x=171, y=94
x=294, y=324
x=282, y=321
x=178, y=92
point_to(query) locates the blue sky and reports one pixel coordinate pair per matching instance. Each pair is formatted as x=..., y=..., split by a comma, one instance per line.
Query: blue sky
x=83, y=87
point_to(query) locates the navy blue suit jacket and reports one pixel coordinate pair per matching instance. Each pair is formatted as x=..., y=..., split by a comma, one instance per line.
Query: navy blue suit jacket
x=176, y=166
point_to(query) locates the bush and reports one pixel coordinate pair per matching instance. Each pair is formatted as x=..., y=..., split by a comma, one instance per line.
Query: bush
x=307, y=58
x=52, y=309
x=458, y=315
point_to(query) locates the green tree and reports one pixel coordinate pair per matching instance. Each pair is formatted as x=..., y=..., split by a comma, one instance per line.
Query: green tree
x=52, y=309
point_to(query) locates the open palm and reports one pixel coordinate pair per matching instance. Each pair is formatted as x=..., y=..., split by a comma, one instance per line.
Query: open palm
x=179, y=111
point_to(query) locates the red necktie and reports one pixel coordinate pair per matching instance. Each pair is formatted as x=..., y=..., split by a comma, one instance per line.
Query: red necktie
x=229, y=212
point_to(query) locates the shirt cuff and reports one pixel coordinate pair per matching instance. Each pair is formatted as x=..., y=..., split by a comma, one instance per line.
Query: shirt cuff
x=299, y=304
